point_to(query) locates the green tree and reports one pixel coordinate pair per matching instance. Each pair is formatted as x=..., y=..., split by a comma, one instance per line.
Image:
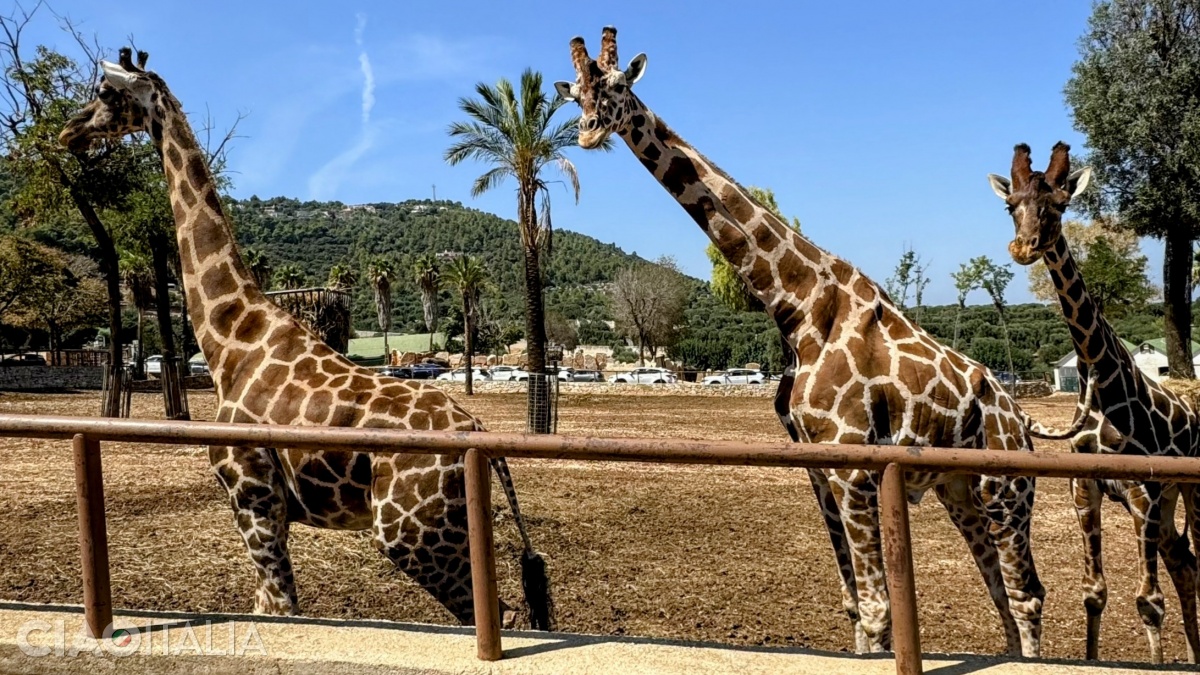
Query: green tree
x=260, y=268
x=1133, y=94
x=290, y=277
x=1118, y=283
x=22, y=264
x=39, y=92
x=72, y=296
x=966, y=279
x=341, y=277
x=428, y=277
x=910, y=275
x=994, y=279
x=518, y=138
x=726, y=284
x=379, y=274
x=137, y=273
x=467, y=275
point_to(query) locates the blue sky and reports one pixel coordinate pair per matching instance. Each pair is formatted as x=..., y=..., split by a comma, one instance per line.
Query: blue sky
x=874, y=122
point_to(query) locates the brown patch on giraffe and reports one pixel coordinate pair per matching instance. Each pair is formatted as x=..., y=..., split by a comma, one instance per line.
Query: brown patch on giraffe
x=219, y=281
x=680, y=173
x=761, y=274
x=836, y=371
x=918, y=349
x=737, y=204
x=275, y=375
x=257, y=397
x=305, y=369
x=317, y=408
x=186, y=193
x=288, y=350
x=209, y=235
x=225, y=315
x=253, y=326
x=174, y=159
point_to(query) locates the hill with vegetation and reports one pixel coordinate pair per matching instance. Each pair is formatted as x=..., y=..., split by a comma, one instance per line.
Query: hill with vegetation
x=316, y=235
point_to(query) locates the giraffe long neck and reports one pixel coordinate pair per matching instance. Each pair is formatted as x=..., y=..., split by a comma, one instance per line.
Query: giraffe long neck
x=789, y=274
x=220, y=290
x=1096, y=343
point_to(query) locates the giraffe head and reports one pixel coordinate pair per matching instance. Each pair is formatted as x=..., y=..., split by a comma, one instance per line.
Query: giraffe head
x=601, y=89
x=1036, y=199
x=128, y=100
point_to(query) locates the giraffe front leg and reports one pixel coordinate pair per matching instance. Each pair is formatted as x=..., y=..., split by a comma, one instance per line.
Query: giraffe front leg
x=965, y=510
x=1008, y=503
x=257, y=494
x=1144, y=502
x=856, y=495
x=841, y=553
x=1086, y=495
x=1180, y=563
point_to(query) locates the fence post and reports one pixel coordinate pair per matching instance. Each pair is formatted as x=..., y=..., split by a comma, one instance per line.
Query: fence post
x=93, y=535
x=483, y=556
x=897, y=551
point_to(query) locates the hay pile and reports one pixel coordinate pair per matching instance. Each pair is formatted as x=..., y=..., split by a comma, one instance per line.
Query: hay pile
x=1188, y=390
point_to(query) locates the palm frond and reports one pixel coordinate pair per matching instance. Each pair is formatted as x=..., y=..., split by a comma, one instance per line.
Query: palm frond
x=490, y=179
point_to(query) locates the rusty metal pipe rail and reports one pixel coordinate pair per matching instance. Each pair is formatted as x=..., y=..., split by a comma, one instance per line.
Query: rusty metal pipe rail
x=892, y=461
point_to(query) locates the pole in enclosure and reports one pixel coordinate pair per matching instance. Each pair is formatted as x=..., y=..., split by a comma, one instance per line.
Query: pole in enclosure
x=483, y=555
x=897, y=552
x=93, y=536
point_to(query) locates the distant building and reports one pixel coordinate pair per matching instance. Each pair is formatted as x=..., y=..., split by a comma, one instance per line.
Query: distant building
x=1149, y=356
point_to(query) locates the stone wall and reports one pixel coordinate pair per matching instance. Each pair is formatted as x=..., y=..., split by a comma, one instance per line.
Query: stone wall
x=44, y=378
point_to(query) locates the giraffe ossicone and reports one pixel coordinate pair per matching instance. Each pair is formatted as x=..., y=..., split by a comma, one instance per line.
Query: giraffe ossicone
x=1130, y=413
x=267, y=368
x=863, y=373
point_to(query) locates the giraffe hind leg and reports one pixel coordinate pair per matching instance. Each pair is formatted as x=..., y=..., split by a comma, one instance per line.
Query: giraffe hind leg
x=1008, y=504
x=254, y=482
x=1186, y=561
x=1144, y=503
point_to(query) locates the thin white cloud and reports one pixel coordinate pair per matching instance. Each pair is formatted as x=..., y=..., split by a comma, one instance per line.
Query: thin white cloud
x=323, y=184
x=364, y=63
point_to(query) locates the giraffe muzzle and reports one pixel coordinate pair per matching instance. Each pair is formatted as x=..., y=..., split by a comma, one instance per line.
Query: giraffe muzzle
x=1023, y=253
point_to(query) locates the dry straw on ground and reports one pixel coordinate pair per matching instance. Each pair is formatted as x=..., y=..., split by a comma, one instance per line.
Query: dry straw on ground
x=727, y=554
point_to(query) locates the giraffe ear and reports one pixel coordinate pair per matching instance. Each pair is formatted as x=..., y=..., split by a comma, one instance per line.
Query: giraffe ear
x=636, y=69
x=1000, y=185
x=1078, y=180
x=117, y=76
x=568, y=91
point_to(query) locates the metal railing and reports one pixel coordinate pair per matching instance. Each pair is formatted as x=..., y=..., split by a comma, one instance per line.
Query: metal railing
x=87, y=433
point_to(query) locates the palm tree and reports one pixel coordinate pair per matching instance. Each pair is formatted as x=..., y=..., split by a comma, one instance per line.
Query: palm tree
x=426, y=272
x=516, y=137
x=379, y=273
x=341, y=277
x=290, y=277
x=467, y=274
x=137, y=273
x=260, y=268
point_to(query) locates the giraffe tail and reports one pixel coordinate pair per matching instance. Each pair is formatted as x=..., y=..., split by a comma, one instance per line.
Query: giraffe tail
x=1083, y=411
x=534, y=580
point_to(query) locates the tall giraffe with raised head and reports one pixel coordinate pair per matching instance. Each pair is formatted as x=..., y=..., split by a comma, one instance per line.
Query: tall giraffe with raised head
x=269, y=369
x=1133, y=414
x=864, y=372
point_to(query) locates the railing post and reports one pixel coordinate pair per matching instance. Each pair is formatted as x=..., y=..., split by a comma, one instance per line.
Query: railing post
x=483, y=555
x=93, y=535
x=897, y=551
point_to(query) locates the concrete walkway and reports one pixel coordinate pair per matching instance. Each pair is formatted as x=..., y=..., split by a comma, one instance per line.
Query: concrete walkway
x=47, y=639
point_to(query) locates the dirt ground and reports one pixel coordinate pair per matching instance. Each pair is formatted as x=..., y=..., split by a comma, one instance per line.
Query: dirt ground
x=735, y=555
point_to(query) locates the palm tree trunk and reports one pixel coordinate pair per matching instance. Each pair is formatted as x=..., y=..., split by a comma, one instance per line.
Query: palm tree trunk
x=469, y=343
x=172, y=388
x=538, y=420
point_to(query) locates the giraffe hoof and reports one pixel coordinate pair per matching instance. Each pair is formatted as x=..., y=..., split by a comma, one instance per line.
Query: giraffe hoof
x=508, y=619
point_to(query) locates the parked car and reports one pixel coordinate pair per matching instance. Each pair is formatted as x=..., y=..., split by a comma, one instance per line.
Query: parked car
x=646, y=376
x=426, y=371
x=1009, y=380
x=154, y=364
x=566, y=374
x=460, y=375
x=737, y=376
x=23, y=360
x=402, y=372
x=588, y=376
x=198, y=368
x=509, y=374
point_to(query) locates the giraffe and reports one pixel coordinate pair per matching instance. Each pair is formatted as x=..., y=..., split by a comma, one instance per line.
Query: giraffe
x=269, y=369
x=1133, y=414
x=863, y=372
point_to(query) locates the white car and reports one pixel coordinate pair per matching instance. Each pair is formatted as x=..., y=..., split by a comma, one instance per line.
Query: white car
x=566, y=374
x=646, y=376
x=460, y=375
x=509, y=374
x=737, y=376
x=154, y=364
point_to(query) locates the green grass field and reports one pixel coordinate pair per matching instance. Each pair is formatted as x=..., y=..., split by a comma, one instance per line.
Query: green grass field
x=372, y=347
